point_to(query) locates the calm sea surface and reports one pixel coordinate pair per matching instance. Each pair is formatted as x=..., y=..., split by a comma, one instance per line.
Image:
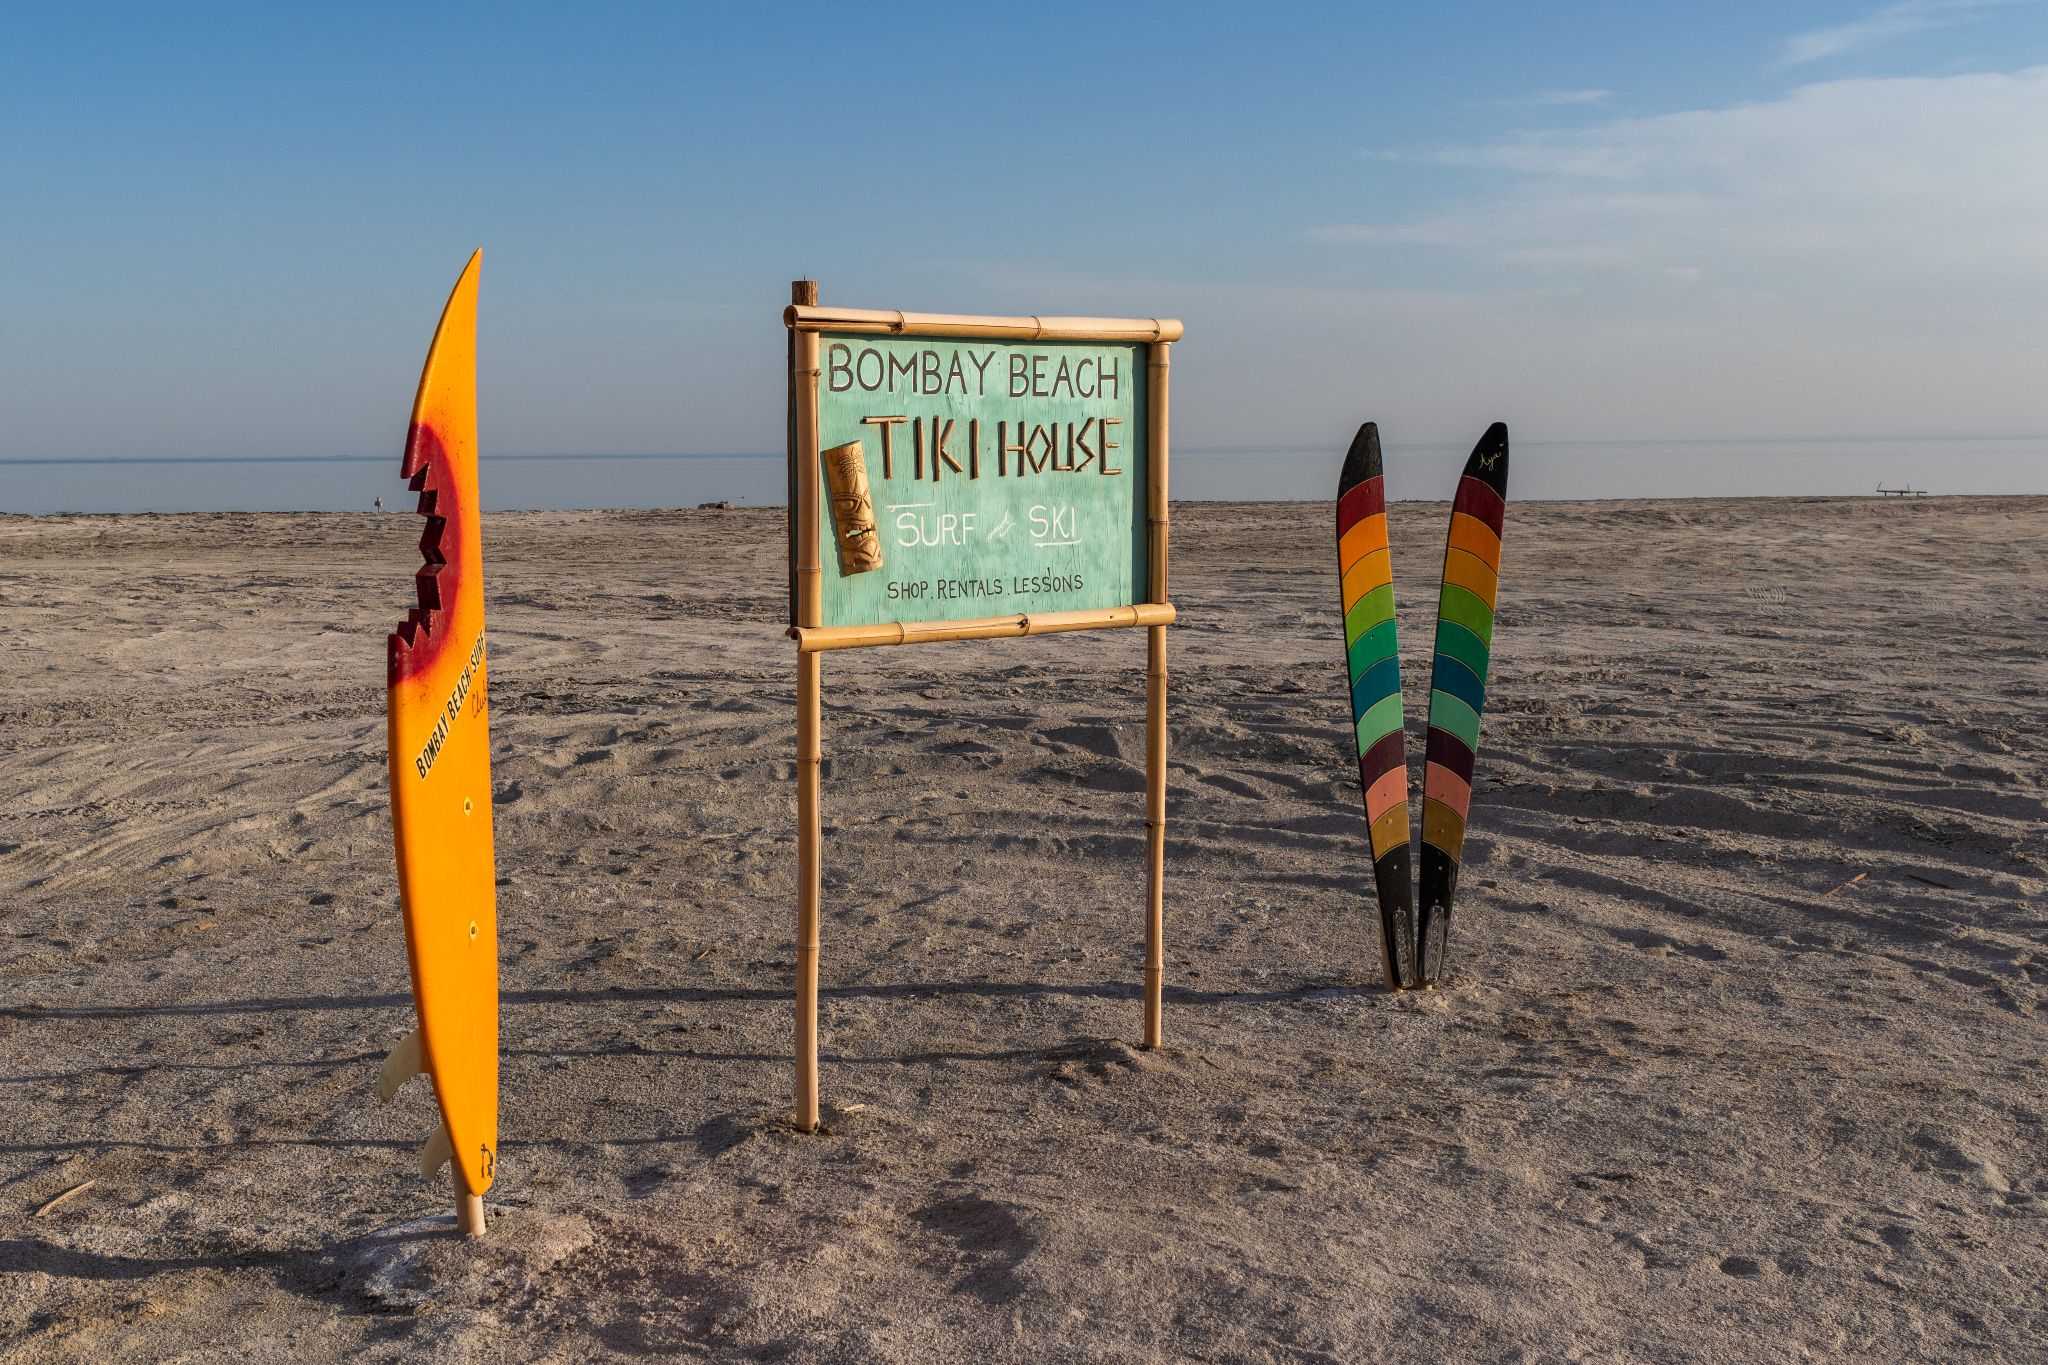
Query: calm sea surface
x=1642, y=469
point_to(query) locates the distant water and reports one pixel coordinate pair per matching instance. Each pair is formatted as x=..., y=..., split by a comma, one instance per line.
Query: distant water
x=1542, y=469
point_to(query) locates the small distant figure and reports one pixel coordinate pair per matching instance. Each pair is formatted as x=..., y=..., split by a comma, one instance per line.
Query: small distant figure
x=722, y=505
x=378, y=503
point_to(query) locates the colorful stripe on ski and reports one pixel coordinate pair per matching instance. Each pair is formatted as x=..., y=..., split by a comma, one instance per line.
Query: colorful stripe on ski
x=1366, y=567
x=1457, y=685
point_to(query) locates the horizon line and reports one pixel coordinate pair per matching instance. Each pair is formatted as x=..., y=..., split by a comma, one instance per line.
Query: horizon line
x=1235, y=449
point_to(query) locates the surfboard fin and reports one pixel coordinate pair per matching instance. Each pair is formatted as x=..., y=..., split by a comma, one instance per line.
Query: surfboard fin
x=400, y=1065
x=438, y=1152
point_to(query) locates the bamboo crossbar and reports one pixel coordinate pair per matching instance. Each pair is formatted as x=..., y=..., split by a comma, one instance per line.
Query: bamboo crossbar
x=890, y=322
x=811, y=640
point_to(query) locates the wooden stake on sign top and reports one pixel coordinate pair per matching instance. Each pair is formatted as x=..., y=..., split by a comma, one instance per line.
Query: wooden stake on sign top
x=809, y=710
x=1155, y=699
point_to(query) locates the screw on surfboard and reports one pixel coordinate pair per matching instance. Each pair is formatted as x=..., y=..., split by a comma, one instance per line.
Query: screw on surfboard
x=1457, y=686
x=440, y=762
x=1374, y=666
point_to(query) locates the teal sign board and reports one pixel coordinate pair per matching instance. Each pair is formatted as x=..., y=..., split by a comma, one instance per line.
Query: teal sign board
x=1004, y=477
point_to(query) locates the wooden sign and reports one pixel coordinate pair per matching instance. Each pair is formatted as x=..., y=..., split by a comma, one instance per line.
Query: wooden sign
x=958, y=478
x=972, y=477
x=1000, y=477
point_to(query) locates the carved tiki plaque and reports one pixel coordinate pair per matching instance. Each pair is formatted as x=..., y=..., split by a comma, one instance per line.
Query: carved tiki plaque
x=853, y=510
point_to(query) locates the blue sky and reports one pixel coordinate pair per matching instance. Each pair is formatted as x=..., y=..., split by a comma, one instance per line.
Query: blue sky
x=226, y=230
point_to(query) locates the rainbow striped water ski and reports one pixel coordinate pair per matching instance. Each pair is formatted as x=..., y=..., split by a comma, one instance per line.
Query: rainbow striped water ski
x=1374, y=662
x=1457, y=686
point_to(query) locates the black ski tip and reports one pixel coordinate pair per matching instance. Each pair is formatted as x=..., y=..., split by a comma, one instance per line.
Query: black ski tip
x=1362, y=461
x=1488, y=462
x=1433, y=941
x=1436, y=887
x=1393, y=873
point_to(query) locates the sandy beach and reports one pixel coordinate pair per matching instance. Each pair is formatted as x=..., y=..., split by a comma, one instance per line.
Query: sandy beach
x=1740, y=1055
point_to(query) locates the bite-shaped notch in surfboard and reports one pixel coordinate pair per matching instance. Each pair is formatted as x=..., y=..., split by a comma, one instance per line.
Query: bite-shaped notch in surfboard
x=1457, y=685
x=438, y=727
x=1373, y=666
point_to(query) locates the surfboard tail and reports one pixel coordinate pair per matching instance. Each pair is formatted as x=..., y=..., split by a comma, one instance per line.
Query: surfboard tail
x=438, y=729
x=1373, y=664
x=1457, y=687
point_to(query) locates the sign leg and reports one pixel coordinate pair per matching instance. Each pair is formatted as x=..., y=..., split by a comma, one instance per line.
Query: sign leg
x=1155, y=829
x=469, y=1208
x=808, y=706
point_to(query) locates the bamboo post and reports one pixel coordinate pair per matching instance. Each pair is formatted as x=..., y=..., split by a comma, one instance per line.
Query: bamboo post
x=469, y=1208
x=809, y=707
x=1155, y=698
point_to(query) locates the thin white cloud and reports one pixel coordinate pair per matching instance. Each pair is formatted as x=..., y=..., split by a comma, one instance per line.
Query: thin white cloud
x=1893, y=21
x=1913, y=172
x=1449, y=231
x=1857, y=251
x=1554, y=99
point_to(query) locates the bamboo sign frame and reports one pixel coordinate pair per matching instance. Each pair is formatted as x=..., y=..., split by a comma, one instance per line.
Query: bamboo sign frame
x=853, y=541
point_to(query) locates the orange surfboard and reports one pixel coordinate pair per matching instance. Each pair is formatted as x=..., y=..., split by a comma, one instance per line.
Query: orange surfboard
x=440, y=760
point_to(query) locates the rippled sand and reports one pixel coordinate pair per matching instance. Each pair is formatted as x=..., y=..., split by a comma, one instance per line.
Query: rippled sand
x=1740, y=1056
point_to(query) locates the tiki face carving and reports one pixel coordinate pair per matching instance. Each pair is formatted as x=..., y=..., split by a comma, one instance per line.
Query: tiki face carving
x=853, y=510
